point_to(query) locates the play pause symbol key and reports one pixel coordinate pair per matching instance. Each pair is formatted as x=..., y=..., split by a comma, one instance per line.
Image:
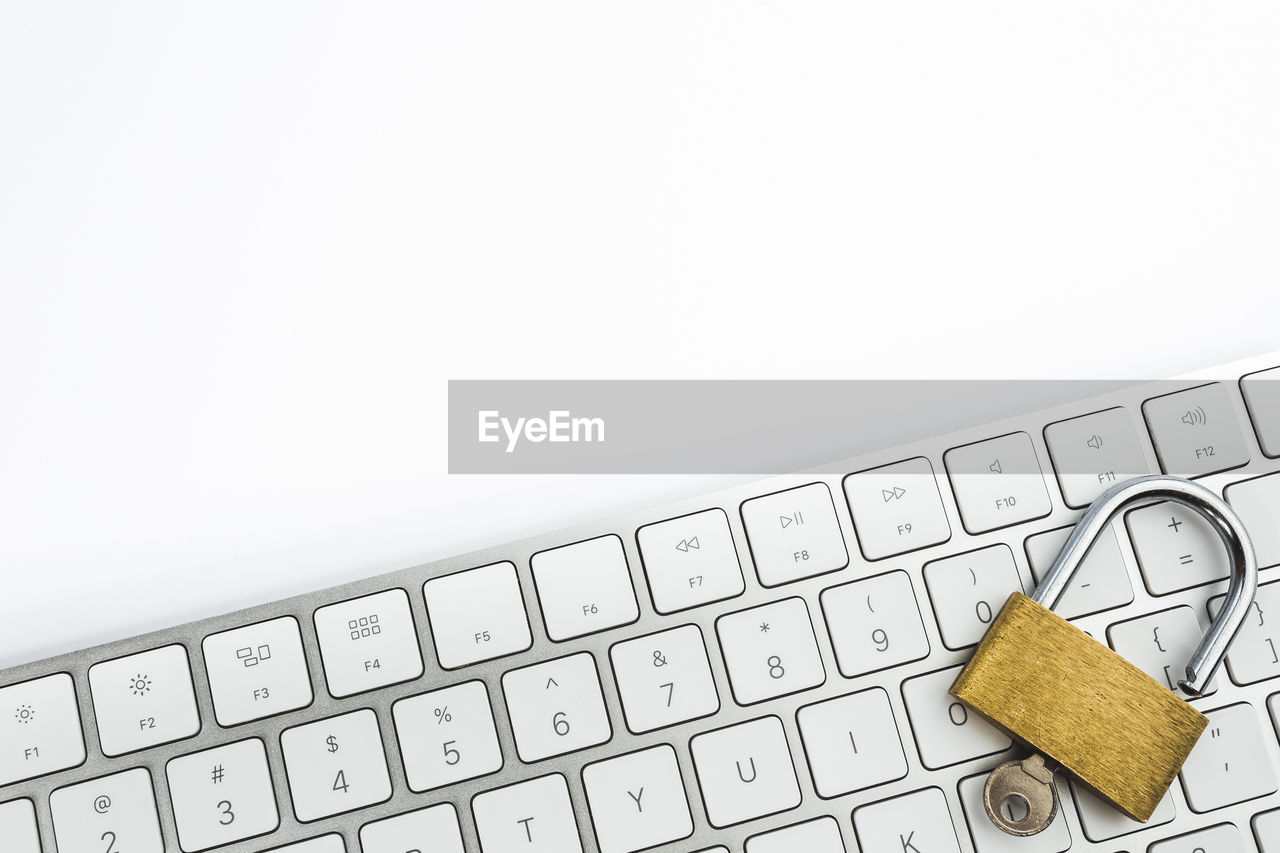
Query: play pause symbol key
x=794, y=534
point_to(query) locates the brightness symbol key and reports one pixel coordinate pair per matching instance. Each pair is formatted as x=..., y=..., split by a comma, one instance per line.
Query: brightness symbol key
x=144, y=700
x=39, y=728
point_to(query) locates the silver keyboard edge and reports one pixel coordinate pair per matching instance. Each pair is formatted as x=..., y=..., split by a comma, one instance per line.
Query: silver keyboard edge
x=403, y=800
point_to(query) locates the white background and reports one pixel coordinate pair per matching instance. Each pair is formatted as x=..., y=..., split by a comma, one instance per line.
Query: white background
x=242, y=247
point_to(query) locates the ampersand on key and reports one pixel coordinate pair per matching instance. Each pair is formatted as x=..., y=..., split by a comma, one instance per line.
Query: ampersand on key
x=658, y=658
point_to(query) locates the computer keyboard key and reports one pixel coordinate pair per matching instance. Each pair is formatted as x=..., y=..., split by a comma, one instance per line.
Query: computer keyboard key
x=222, y=795
x=852, y=742
x=534, y=816
x=997, y=482
x=39, y=728
x=874, y=624
x=144, y=700
x=556, y=707
x=477, y=615
x=1262, y=397
x=919, y=821
x=434, y=828
x=690, y=560
x=815, y=836
x=1196, y=432
x=897, y=508
x=1273, y=708
x=367, y=643
x=1101, y=821
x=18, y=826
x=1093, y=452
x=664, y=679
x=1176, y=548
x=1254, y=654
x=584, y=587
x=1102, y=581
x=638, y=800
x=279, y=722
x=1266, y=829
x=336, y=765
x=447, y=735
x=745, y=771
x=1160, y=644
x=1231, y=763
x=257, y=671
x=331, y=843
x=1258, y=503
x=946, y=731
x=968, y=590
x=1223, y=838
x=116, y=813
x=988, y=838
x=794, y=534
x=770, y=651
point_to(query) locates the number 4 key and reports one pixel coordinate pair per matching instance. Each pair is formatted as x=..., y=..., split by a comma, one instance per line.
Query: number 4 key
x=336, y=765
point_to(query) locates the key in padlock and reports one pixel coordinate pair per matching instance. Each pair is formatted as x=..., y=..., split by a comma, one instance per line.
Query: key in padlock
x=1073, y=700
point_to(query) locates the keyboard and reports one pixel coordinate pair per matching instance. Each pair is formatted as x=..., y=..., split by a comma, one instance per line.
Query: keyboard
x=764, y=669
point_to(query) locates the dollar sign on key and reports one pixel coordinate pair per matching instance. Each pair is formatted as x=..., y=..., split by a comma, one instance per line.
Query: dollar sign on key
x=333, y=743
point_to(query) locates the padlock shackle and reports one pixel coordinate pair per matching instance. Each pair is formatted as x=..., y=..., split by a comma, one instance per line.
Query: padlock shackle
x=1213, y=646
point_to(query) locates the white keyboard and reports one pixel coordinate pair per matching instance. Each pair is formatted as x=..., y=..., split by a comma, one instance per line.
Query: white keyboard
x=761, y=670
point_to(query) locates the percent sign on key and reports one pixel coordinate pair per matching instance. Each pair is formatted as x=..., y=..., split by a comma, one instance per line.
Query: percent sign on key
x=443, y=716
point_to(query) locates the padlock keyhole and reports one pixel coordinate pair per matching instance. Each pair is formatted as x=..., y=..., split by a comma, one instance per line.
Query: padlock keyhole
x=1015, y=807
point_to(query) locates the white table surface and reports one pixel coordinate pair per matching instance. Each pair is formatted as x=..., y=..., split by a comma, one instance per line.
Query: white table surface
x=243, y=247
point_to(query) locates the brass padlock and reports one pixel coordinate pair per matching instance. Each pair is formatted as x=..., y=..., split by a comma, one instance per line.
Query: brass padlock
x=1074, y=701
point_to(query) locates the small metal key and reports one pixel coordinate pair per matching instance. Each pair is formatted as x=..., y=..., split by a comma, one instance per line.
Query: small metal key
x=1021, y=785
x=1077, y=703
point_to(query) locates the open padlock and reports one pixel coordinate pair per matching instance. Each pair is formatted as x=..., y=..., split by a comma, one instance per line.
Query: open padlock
x=1080, y=705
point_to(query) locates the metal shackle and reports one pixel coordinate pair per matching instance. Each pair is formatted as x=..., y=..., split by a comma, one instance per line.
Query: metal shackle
x=1213, y=646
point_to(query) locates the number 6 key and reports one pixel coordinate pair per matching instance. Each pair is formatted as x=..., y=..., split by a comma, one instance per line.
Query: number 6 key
x=556, y=707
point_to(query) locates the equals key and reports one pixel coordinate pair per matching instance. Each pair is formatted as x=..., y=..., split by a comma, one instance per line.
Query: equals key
x=1176, y=548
